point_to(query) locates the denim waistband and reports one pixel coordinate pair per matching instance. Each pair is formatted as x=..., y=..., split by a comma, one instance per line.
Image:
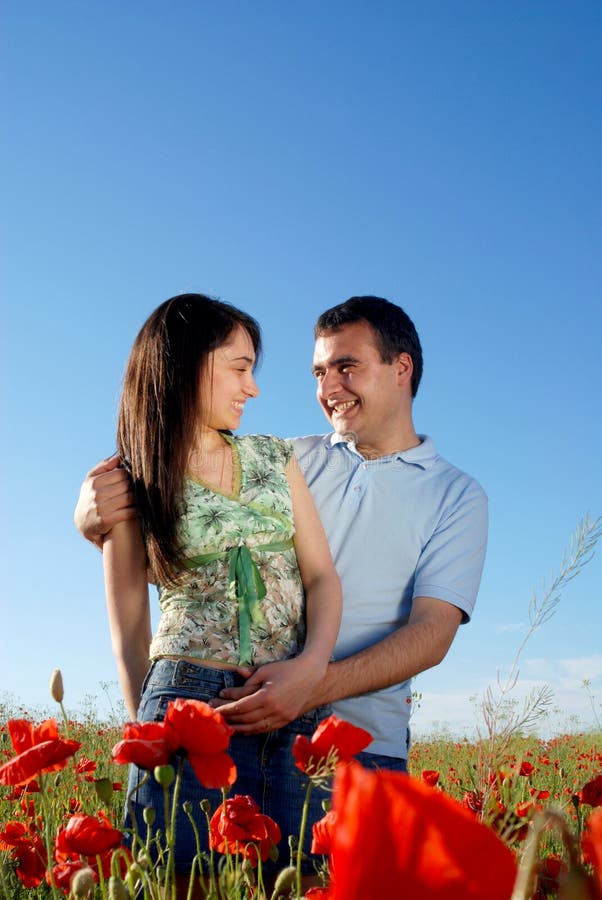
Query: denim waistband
x=182, y=673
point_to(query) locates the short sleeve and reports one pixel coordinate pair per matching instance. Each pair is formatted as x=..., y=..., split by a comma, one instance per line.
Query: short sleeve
x=451, y=563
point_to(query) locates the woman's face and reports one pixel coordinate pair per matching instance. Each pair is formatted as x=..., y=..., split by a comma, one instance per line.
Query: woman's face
x=227, y=382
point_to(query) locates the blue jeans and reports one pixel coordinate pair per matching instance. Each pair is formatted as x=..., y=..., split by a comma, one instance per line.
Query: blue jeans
x=265, y=764
x=378, y=761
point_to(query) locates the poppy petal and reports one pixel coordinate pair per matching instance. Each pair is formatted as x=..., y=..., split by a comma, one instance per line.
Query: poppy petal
x=215, y=771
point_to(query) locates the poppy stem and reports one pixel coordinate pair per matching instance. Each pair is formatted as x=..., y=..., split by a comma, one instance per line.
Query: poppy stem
x=47, y=836
x=197, y=862
x=170, y=830
x=101, y=877
x=302, y=829
x=65, y=720
x=205, y=806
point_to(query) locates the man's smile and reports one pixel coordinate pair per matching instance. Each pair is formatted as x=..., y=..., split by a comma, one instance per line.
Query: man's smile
x=341, y=406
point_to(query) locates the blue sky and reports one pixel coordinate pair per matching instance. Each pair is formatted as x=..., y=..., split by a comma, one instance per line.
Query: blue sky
x=284, y=156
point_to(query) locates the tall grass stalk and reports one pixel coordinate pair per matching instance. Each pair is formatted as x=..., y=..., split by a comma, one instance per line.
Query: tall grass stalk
x=502, y=717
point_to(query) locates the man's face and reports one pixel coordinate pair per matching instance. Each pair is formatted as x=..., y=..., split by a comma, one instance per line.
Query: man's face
x=359, y=393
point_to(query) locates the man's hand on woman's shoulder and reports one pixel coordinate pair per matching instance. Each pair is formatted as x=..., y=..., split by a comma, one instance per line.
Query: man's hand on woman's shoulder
x=105, y=498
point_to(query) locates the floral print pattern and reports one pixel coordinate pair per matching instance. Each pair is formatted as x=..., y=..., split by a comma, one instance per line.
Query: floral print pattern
x=199, y=618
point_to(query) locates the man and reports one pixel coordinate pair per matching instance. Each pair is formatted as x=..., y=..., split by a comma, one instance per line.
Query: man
x=407, y=530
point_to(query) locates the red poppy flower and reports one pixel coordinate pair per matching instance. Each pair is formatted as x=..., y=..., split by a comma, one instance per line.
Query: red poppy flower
x=18, y=793
x=39, y=749
x=145, y=744
x=85, y=767
x=539, y=795
x=430, y=777
x=318, y=893
x=87, y=836
x=68, y=863
x=31, y=867
x=526, y=768
x=473, y=800
x=322, y=833
x=591, y=793
x=549, y=871
x=14, y=834
x=203, y=735
x=25, y=845
x=332, y=736
x=525, y=808
x=63, y=872
x=394, y=830
x=591, y=843
x=25, y=734
x=238, y=826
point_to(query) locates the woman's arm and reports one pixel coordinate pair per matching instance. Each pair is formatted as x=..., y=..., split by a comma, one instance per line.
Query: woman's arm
x=124, y=560
x=278, y=692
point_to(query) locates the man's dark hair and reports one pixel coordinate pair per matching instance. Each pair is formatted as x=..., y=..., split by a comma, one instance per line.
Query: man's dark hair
x=393, y=329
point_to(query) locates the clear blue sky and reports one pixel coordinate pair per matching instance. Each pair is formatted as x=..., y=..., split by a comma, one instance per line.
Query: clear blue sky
x=283, y=156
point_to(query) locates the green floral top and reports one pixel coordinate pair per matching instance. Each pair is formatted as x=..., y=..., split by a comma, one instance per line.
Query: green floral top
x=200, y=617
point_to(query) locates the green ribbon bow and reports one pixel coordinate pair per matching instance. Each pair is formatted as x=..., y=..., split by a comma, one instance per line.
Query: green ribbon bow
x=246, y=586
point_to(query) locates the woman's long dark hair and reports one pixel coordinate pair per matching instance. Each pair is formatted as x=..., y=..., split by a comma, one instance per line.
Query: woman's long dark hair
x=160, y=411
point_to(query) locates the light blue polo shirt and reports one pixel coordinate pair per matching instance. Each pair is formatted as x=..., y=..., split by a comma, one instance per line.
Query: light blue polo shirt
x=401, y=526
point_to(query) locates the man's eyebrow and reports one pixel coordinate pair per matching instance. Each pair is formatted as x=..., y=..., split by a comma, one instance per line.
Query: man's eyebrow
x=339, y=361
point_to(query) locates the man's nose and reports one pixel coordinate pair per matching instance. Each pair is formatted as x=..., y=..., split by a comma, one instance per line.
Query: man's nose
x=329, y=383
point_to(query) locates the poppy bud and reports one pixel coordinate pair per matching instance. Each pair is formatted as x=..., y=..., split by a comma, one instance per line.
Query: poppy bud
x=117, y=889
x=56, y=686
x=83, y=882
x=165, y=775
x=285, y=881
x=148, y=815
x=104, y=789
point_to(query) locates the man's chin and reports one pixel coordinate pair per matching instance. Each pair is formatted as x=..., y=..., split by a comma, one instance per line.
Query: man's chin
x=342, y=427
x=344, y=431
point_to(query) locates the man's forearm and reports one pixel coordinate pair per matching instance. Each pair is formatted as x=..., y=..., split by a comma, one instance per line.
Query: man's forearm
x=105, y=499
x=420, y=644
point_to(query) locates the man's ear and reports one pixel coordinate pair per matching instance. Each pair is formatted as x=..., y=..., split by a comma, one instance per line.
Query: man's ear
x=405, y=369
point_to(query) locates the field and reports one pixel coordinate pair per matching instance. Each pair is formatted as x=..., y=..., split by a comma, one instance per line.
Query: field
x=507, y=785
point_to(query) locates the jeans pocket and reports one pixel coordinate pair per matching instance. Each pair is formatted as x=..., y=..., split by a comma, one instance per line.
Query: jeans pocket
x=146, y=680
x=187, y=683
x=153, y=706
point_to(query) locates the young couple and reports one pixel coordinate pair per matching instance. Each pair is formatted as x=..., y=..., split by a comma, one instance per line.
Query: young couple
x=205, y=513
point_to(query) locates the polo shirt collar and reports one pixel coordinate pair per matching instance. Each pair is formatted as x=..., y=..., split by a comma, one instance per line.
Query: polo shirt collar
x=424, y=455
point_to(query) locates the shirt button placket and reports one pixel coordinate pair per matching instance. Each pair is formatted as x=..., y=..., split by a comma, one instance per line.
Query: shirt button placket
x=360, y=479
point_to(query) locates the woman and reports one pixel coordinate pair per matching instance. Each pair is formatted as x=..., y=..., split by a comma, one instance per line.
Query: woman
x=216, y=512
